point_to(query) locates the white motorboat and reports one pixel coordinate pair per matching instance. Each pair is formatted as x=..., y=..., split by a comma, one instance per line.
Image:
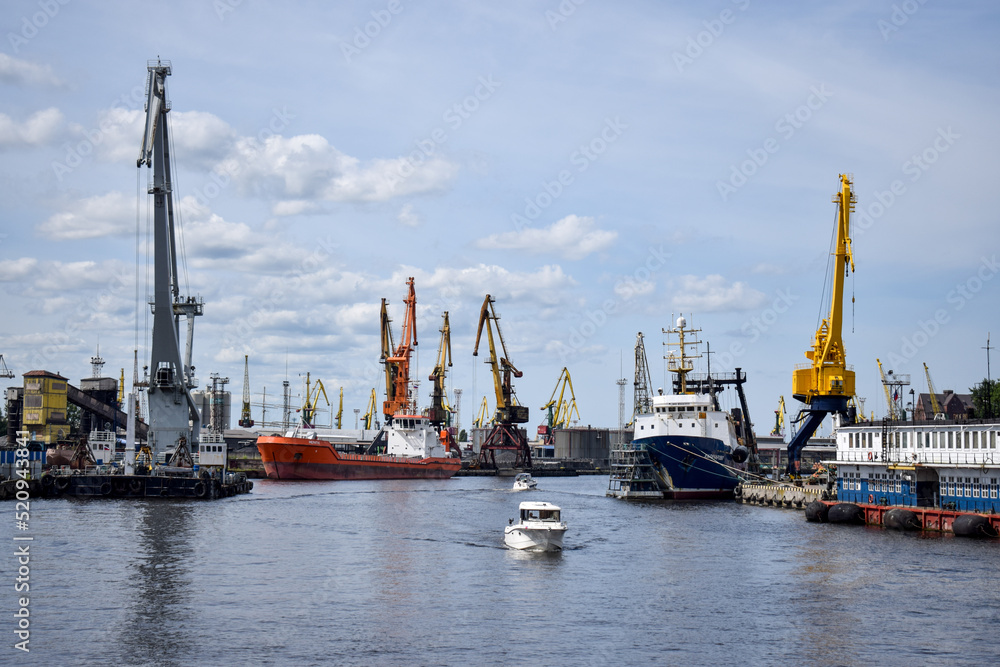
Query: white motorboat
x=524, y=482
x=540, y=528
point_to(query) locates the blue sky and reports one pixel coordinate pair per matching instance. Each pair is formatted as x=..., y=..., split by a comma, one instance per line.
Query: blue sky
x=597, y=167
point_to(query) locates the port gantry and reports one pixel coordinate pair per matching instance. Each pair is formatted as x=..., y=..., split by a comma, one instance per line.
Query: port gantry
x=398, y=398
x=505, y=434
x=826, y=384
x=174, y=421
x=642, y=399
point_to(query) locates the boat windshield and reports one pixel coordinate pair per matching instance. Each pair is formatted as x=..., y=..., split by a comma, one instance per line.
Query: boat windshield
x=539, y=515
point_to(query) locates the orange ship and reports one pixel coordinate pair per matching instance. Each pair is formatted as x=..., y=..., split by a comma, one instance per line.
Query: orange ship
x=410, y=449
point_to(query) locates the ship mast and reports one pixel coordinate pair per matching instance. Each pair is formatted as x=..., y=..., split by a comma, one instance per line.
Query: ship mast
x=681, y=363
x=174, y=421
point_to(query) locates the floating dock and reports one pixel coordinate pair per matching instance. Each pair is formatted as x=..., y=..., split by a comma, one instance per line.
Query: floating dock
x=777, y=494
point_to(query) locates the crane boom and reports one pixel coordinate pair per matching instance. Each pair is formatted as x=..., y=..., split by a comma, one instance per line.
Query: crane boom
x=340, y=410
x=826, y=384
x=642, y=403
x=369, y=418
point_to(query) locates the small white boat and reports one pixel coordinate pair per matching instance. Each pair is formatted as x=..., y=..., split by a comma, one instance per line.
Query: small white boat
x=524, y=482
x=540, y=528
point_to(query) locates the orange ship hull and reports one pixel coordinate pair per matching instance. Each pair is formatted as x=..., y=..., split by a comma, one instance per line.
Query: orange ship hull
x=300, y=458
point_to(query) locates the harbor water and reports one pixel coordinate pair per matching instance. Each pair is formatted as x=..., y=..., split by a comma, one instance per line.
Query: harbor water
x=415, y=573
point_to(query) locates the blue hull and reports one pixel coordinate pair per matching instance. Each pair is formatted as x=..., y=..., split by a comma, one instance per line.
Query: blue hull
x=693, y=467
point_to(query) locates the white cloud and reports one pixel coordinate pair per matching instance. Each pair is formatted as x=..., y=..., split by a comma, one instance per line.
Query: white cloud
x=291, y=207
x=408, y=217
x=308, y=167
x=15, y=71
x=16, y=269
x=711, y=294
x=197, y=138
x=94, y=217
x=40, y=128
x=572, y=237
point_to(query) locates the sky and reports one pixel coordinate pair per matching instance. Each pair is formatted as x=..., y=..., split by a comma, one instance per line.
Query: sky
x=598, y=168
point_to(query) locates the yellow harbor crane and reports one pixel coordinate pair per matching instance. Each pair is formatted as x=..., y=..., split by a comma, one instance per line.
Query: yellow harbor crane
x=779, y=418
x=560, y=411
x=826, y=384
x=311, y=404
x=505, y=434
x=938, y=412
x=888, y=393
x=438, y=413
x=482, y=419
x=370, y=419
x=340, y=410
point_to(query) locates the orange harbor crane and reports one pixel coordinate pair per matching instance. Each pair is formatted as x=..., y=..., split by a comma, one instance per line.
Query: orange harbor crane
x=398, y=399
x=505, y=434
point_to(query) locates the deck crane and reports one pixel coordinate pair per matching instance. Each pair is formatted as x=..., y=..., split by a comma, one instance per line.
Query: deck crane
x=779, y=418
x=938, y=412
x=245, y=418
x=642, y=402
x=397, y=358
x=311, y=404
x=505, y=434
x=826, y=384
x=340, y=410
x=370, y=420
x=560, y=411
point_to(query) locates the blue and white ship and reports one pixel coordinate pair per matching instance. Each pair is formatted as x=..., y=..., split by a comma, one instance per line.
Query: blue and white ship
x=697, y=450
x=946, y=465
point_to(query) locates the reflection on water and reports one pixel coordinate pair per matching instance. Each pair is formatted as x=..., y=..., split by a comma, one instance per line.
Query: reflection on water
x=157, y=583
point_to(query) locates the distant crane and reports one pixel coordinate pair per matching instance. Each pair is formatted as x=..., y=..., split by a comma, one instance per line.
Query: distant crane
x=397, y=359
x=245, y=417
x=308, y=410
x=438, y=413
x=939, y=414
x=560, y=411
x=827, y=384
x=893, y=384
x=340, y=410
x=891, y=404
x=484, y=411
x=642, y=403
x=779, y=418
x=370, y=420
x=121, y=390
x=505, y=434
